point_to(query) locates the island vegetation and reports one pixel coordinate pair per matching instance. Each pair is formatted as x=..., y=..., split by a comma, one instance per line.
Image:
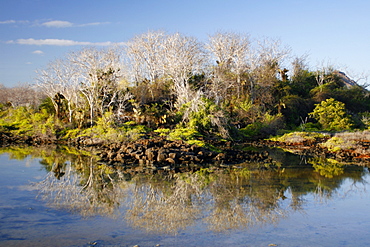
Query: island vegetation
x=209, y=96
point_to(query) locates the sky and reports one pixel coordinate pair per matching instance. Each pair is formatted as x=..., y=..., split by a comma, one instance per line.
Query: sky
x=36, y=32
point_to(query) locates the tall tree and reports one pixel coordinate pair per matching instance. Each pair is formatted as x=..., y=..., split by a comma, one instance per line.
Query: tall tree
x=231, y=52
x=183, y=58
x=99, y=72
x=145, y=58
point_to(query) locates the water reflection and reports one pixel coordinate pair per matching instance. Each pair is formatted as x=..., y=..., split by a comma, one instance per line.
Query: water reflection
x=237, y=197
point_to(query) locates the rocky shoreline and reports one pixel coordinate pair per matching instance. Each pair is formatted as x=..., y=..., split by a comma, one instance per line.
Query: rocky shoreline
x=156, y=153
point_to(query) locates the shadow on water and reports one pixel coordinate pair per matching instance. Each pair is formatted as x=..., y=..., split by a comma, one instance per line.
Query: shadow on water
x=236, y=197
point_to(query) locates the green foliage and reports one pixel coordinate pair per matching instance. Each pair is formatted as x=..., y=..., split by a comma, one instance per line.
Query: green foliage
x=303, y=83
x=336, y=144
x=331, y=114
x=162, y=131
x=251, y=130
x=27, y=121
x=365, y=119
x=47, y=104
x=209, y=118
x=309, y=126
x=267, y=125
x=189, y=135
x=295, y=109
x=107, y=130
x=299, y=137
x=181, y=133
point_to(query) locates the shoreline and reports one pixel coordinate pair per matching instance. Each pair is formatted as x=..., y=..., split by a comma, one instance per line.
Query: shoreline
x=158, y=153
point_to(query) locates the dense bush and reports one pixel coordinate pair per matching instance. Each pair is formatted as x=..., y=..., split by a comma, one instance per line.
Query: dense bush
x=332, y=115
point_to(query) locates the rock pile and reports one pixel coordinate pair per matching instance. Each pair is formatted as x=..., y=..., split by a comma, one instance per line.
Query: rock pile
x=159, y=153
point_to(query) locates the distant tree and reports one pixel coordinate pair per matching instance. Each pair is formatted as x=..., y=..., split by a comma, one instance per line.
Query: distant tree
x=20, y=95
x=302, y=79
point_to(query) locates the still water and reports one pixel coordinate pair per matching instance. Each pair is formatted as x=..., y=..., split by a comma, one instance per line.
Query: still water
x=65, y=197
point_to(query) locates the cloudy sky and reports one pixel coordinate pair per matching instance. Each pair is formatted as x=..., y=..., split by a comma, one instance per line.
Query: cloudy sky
x=35, y=32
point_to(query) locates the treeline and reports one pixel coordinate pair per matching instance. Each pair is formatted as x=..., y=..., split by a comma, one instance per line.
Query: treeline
x=232, y=86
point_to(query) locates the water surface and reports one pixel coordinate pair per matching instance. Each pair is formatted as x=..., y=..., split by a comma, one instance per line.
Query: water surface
x=63, y=197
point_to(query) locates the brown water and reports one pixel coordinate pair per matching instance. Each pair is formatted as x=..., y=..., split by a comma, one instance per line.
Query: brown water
x=62, y=197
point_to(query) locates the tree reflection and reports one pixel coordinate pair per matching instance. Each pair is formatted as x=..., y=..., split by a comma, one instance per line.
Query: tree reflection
x=237, y=197
x=166, y=211
x=89, y=191
x=328, y=168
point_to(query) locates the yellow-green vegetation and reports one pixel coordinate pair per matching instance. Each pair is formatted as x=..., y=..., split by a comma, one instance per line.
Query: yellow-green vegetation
x=106, y=130
x=299, y=137
x=189, y=135
x=266, y=124
x=183, y=134
x=332, y=115
x=28, y=121
x=346, y=140
x=336, y=144
x=162, y=131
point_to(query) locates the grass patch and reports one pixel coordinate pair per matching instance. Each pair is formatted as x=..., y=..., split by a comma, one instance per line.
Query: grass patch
x=346, y=140
x=299, y=137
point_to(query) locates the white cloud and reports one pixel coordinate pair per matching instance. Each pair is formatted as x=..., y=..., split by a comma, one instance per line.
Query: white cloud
x=58, y=24
x=56, y=42
x=38, y=52
x=53, y=24
x=7, y=22
x=93, y=24
x=63, y=24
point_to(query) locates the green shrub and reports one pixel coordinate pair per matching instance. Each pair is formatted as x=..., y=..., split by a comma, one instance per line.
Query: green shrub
x=162, y=131
x=27, y=121
x=299, y=137
x=336, y=144
x=106, y=129
x=184, y=134
x=251, y=130
x=206, y=118
x=331, y=114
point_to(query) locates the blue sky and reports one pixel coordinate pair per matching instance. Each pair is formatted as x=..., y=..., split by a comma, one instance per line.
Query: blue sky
x=35, y=32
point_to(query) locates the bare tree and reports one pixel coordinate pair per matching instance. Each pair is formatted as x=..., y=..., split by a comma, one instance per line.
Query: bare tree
x=98, y=73
x=145, y=58
x=231, y=51
x=323, y=70
x=93, y=73
x=299, y=65
x=51, y=81
x=268, y=60
x=20, y=95
x=183, y=57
